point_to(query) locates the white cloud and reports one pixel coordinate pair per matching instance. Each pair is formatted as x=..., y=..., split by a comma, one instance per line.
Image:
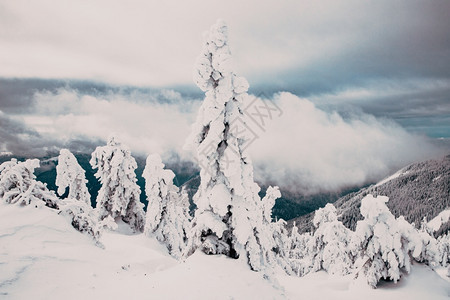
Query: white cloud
x=145, y=126
x=305, y=149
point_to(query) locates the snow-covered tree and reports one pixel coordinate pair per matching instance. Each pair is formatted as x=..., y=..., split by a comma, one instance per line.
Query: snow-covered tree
x=167, y=213
x=422, y=246
x=329, y=245
x=382, y=246
x=70, y=174
x=229, y=214
x=77, y=206
x=444, y=250
x=298, y=251
x=18, y=185
x=119, y=195
x=275, y=235
x=82, y=217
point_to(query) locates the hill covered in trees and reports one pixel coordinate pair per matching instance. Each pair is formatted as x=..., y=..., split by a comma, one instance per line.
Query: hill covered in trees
x=418, y=191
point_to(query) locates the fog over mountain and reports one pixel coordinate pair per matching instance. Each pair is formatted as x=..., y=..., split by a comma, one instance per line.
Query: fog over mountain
x=303, y=147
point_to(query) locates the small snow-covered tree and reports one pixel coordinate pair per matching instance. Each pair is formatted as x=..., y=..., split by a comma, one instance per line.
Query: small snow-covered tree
x=444, y=250
x=77, y=206
x=276, y=234
x=298, y=251
x=69, y=174
x=18, y=185
x=167, y=213
x=422, y=246
x=82, y=217
x=382, y=246
x=329, y=245
x=119, y=195
x=281, y=244
x=229, y=214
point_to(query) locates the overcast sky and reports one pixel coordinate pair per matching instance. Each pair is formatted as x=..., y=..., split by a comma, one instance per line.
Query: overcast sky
x=376, y=72
x=282, y=42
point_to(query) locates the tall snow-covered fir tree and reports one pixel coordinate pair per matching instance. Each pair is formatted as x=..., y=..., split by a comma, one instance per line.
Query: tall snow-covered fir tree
x=168, y=209
x=229, y=212
x=119, y=195
x=18, y=185
x=69, y=174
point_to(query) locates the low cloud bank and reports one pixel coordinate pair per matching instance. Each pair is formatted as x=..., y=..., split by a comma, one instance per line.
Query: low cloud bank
x=309, y=150
x=301, y=148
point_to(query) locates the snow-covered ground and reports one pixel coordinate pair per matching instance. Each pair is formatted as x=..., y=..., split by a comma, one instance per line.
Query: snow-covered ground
x=393, y=176
x=440, y=219
x=43, y=257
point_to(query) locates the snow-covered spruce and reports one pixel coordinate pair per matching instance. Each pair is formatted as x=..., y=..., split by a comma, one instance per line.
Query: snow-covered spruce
x=329, y=245
x=422, y=246
x=298, y=252
x=69, y=174
x=228, y=219
x=168, y=209
x=77, y=206
x=443, y=243
x=384, y=245
x=119, y=195
x=276, y=235
x=18, y=185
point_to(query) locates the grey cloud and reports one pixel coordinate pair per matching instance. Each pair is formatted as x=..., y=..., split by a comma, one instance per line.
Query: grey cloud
x=15, y=137
x=315, y=150
x=311, y=148
x=420, y=105
x=370, y=41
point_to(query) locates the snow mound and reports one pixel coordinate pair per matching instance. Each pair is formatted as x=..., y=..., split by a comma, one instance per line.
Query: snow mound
x=43, y=257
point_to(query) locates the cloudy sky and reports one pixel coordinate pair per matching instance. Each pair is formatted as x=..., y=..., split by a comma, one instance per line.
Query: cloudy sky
x=368, y=82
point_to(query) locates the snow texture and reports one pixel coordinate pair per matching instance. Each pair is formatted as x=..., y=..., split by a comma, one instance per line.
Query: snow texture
x=119, y=195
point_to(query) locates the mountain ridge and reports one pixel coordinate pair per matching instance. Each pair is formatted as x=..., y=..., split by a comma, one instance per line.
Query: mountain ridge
x=417, y=191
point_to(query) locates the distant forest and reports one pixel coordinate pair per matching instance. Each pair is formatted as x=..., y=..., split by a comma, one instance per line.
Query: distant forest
x=421, y=190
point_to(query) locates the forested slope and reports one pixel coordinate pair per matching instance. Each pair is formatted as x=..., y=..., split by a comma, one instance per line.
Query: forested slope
x=416, y=191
